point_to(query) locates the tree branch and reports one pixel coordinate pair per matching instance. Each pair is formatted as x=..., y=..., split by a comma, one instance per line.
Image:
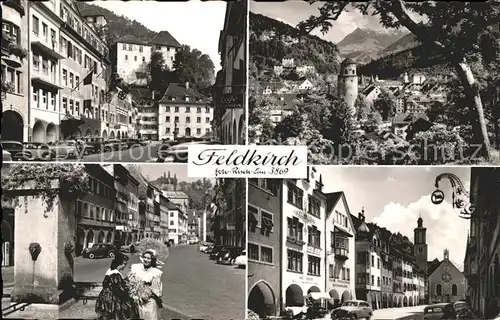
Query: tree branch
x=419, y=30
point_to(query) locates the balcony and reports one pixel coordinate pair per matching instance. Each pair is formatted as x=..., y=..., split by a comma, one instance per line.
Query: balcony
x=295, y=240
x=12, y=54
x=340, y=253
x=47, y=47
x=16, y=5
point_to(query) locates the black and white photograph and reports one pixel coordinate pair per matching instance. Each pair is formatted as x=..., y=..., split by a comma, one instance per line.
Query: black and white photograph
x=372, y=82
x=375, y=243
x=121, y=81
x=113, y=241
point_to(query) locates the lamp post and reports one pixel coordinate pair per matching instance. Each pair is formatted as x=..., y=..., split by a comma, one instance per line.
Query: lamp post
x=460, y=198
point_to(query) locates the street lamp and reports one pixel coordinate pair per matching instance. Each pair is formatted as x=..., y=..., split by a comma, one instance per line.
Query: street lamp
x=460, y=198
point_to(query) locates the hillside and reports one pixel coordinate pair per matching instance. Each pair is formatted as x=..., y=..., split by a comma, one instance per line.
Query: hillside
x=272, y=40
x=195, y=190
x=364, y=45
x=407, y=42
x=118, y=26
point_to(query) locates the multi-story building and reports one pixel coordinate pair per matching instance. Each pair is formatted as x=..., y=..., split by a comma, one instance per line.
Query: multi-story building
x=163, y=218
x=304, y=208
x=179, y=198
x=446, y=282
x=264, y=246
x=340, y=249
x=177, y=224
x=193, y=223
x=142, y=191
x=230, y=85
x=147, y=108
x=184, y=112
x=14, y=71
x=232, y=216
x=165, y=43
x=368, y=266
x=95, y=210
x=482, y=256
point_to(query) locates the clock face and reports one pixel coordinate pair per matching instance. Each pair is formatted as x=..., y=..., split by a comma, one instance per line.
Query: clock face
x=446, y=277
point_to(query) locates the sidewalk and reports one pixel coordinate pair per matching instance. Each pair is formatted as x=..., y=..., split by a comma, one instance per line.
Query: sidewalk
x=395, y=313
x=71, y=309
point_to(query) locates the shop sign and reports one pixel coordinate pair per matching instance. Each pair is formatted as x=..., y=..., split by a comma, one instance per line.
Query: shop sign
x=231, y=100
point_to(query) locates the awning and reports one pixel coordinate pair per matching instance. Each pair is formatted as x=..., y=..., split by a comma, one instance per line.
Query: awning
x=267, y=222
x=342, y=232
x=69, y=119
x=318, y=296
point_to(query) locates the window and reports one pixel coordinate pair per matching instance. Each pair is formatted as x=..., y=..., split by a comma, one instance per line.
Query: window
x=167, y=130
x=124, y=46
x=126, y=57
x=167, y=119
x=143, y=59
x=314, y=206
x=52, y=99
x=135, y=58
x=373, y=280
x=295, y=195
x=373, y=261
x=313, y=236
x=340, y=244
x=295, y=228
x=45, y=31
x=77, y=107
x=313, y=265
x=36, y=25
x=438, y=289
x=167, y=109
x=454, y=290
x=207, y=120
x=207, y=109
x=207, y=130
x=130, y=47
x=71, y=83
x=198, y=120
x=171, y=223
x=378, y=281
x=65, y=77
x=188, y=109
x=253, y=251
x=176, y=109
x=266, y=219
x=266, y=254
x=188, y=119
x=253, y=216
x=295, y=261
x=378, y=263
x=198, y=130
x=65, y=105
x=11, y=30
x=140, y=48
x=176, y=119
x=77, y=84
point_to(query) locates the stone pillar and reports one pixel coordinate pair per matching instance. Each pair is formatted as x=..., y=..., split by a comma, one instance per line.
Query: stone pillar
x=48, y=278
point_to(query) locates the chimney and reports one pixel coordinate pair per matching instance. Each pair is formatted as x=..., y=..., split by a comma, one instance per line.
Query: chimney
x=187, y=85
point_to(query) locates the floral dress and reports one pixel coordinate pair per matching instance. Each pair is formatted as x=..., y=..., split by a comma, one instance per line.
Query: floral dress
x=146, y=286
x=114, y=301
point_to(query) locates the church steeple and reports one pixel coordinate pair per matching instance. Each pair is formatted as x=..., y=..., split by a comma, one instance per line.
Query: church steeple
x=446, y=254
x=420, y=244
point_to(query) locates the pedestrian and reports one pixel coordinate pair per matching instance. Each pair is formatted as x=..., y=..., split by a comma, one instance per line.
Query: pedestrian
x=146, y=281
x=114, y=301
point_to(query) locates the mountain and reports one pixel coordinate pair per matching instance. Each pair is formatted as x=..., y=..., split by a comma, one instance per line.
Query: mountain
x=407, y=42
x=363, y=45
x=118, y=26
x=272, y=40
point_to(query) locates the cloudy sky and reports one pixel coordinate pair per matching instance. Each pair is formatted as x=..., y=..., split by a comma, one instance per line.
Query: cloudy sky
x=194, y=23
x=394, y=197
x=295, y=11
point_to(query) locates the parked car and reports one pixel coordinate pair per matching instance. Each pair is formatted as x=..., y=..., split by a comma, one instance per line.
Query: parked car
x=128, y=248
x=96, y=143
x=100, y=250
x=35, y=151
x=193, y=240
x=178, y=153
x=355, y=309
x=241, y=260
x=462, y=309
x=13, y=147
x=214, y=253
x=66, y=149
x=114, y=145
x=204, y=246
x=439, y=311
x=228, y=257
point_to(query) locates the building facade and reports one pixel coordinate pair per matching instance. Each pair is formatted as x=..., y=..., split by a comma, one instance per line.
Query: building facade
x=482, y=257
x=184, y=112
x=304, y=208
x=164, y=218
x=229, y=89
x=232, y=215
x=177, y=224
x=14, y=71
x=348, y=83
x=341, y=251
x=446, y=282
x=96, y=210
x=264, y=246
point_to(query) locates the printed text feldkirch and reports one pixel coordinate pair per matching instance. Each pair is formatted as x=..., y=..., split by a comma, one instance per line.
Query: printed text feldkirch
x=250, y=157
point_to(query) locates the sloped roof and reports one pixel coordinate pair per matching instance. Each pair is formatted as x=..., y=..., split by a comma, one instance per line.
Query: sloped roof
x=175, y=194
x=141, y=93
x=332, y=199
x=143, y=183
x=348, y=60
x=179, y=91
x=383, y=135
x=131, y=39
x=172, y=206
x=164, y=38
x=433, y=265
x=406, y=118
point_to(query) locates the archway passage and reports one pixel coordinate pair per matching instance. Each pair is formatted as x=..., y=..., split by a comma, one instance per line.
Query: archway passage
x=261, y=300
x=346, y=295
x=405, y=302
x=96, y=133
x=446, y=298
x=109, y=236
x=234, y=133
x=104, y=134
x=294, y=296
x=88, y=133
x=90, y=238
x=51, y=134
x=396, y=301
x=112, y=135
x=410, y=302
x=38, y=132
x=313, y=289
x=100, y=237
x=187, y=132
x=242, y=130
x=12, y=126
x=385, y=301
x=335, y=298
x=118, y=135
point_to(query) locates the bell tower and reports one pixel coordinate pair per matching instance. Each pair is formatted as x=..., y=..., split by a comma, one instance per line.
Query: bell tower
x=420, y=245
x=347, y=83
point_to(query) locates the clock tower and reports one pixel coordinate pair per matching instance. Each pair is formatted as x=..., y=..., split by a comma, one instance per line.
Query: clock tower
x=420, y=245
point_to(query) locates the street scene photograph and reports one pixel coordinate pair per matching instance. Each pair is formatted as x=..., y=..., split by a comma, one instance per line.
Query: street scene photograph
x=132, y=81
x=377, y=82
x=113, y=241
x=413, y=243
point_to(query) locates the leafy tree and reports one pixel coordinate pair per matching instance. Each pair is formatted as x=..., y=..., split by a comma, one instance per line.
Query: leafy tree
x=437, y=112
x=191, y=65
x=373, y=121
x=319, y=150
x=159, y=75
x=260, y=125
x=385, y=105
x=291, y=126
x=363, y=107
x=456, y=30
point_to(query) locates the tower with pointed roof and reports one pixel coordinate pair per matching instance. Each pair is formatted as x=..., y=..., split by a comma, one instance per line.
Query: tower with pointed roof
x=348, y=83
x=420, y=245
